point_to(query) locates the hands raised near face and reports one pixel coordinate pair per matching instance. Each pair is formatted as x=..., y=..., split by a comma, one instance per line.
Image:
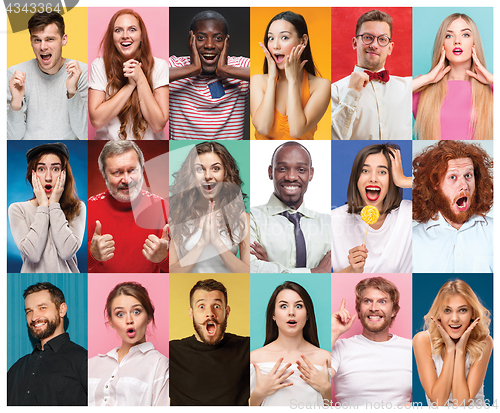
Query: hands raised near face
x=293, y=65
x=342, y=321
x=58, y=188
x=132, y=69
x=194, y=57
x=398, y=175
x=17, y=86
x=39, y=190
x=462, y=342
x=272, y=70
x=210, y=229
x=482, y=75
x=74, y=72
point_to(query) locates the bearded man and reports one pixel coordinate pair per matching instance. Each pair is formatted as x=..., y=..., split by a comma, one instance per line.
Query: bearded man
x=128, y=229
x=55, y=373
x=452, y=193
x=374, y=366
x=211, y=367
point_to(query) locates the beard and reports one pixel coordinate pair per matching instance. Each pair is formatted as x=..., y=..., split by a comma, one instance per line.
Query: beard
x=375, y=328
x=211, y=341
x=443, y=204
x=134, y=190
x=50, y=328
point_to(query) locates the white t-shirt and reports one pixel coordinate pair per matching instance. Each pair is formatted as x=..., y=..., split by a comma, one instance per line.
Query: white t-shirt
x=389, y=247
x=141, y=379
x=98, y=81
x=372, y=372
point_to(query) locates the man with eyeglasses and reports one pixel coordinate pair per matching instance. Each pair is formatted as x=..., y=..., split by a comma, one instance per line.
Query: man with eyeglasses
x=370, y=104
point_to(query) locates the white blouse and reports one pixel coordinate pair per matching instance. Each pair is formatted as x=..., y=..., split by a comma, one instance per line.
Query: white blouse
x=141, y=379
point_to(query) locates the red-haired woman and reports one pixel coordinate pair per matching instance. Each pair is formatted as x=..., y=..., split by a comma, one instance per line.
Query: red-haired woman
x=128, y=87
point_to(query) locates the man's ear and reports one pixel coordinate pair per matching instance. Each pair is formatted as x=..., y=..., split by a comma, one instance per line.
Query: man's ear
x=354, y=43
x=311, y=174
x=270, y=172
x=63, y=308
x=64, y=39
x=391, y=48
x=191, y=313
x=228, y=309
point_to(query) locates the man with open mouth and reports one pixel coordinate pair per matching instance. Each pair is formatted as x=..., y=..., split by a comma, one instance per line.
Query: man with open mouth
x=47, y=96
x=374, y=366
x=55, y=373
x=452, y=195
x=208, y=89
x=211, y=367
x=128, y=229
x=370, y=104
x=285, y=236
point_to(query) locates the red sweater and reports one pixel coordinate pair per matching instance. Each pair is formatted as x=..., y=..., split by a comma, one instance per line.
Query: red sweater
x=130, y=224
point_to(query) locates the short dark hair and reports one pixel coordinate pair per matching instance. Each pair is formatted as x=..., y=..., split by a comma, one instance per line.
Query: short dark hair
x=394, y=195
x=208, y=15
x=374, y=16
x=381, y=284
x=56, y=295
x=208, y=285
x=291, y=143
x=310, y=331
x=40, y=20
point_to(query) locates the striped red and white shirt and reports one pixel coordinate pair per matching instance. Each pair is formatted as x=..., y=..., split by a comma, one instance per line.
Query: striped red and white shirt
x=194, y=114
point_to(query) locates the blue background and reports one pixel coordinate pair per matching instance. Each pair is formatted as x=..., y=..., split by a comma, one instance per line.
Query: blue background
x=19, y=190
x=425, y=289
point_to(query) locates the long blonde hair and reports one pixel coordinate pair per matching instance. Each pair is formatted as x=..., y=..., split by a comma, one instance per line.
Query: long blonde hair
x=428, y=120
x=476, y=345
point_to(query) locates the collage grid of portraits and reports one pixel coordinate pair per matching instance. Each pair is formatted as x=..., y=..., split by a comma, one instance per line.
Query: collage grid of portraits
x=413, y=35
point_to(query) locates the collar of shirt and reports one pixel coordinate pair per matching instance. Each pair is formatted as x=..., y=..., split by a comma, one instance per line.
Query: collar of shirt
x=360, y=69
x=143, y=347
x=55, y=343
x=275, y=207
x=445, y=225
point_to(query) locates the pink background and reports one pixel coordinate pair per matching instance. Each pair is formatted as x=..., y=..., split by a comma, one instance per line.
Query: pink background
x=343, y=287
x=156, y=21
x=102, y=337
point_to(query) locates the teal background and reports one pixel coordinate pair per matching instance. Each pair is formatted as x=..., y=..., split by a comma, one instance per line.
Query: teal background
x=74, y=288
x=426, y=22
x=240, y=151
x=263, y=285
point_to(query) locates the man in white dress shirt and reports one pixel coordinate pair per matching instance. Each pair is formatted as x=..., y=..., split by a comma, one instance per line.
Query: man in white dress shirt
x=285, y=236
x=370, y=104
x=373, y=367
x=452, y=193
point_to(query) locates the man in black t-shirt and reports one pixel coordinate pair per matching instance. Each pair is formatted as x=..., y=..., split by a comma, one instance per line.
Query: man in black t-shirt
x=211, y=367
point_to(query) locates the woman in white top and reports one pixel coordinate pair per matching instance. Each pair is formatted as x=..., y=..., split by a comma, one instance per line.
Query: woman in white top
x=134, y=374
x=128, y=87
x=454, y=350
x=376, y=179
x=207, y=219
x=49, y=228
x=290, y=368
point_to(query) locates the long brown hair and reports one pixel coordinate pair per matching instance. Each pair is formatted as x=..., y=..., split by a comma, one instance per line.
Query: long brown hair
x=428, y=119
x=113, y=63
x=70, y=203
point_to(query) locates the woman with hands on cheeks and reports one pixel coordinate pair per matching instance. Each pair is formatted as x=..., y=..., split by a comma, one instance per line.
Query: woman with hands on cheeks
x=290, y=366
x=455, y=99
x=134, y=374
x=128, y=87
x=376, y=179
x=208, y=220
x=290, y=98
x=49, y=228
x=454, y=350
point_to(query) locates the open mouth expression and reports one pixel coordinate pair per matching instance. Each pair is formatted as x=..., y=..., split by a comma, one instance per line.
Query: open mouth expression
x=127, y=35
x=210, y=36
x=373, y=181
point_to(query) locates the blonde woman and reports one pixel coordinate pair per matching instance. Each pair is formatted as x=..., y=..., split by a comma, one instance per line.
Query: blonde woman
x=454, y=350
x=455, y=99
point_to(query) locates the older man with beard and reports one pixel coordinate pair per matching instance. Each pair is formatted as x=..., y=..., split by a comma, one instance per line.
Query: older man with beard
x=127, y=225
x=453, y=192
x=375, y=366
x=55, y=373
x=212, y=367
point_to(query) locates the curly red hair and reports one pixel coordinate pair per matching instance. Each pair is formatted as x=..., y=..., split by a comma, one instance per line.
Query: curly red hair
x=430, y=167
x=113, y=63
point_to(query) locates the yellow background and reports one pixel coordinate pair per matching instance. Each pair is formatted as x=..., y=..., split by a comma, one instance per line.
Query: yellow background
x=19, y=45
x=318, y=21
x=238, y=297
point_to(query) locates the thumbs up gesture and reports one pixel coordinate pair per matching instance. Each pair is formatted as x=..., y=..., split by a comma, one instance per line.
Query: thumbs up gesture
x=156, y=249
x=102, y=247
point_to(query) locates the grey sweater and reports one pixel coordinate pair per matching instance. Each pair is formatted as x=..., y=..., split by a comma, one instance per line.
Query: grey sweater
x=45, y=239
x=47, y=113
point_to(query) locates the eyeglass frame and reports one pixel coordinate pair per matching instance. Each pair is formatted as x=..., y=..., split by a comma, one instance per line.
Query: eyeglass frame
x=375, y=37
